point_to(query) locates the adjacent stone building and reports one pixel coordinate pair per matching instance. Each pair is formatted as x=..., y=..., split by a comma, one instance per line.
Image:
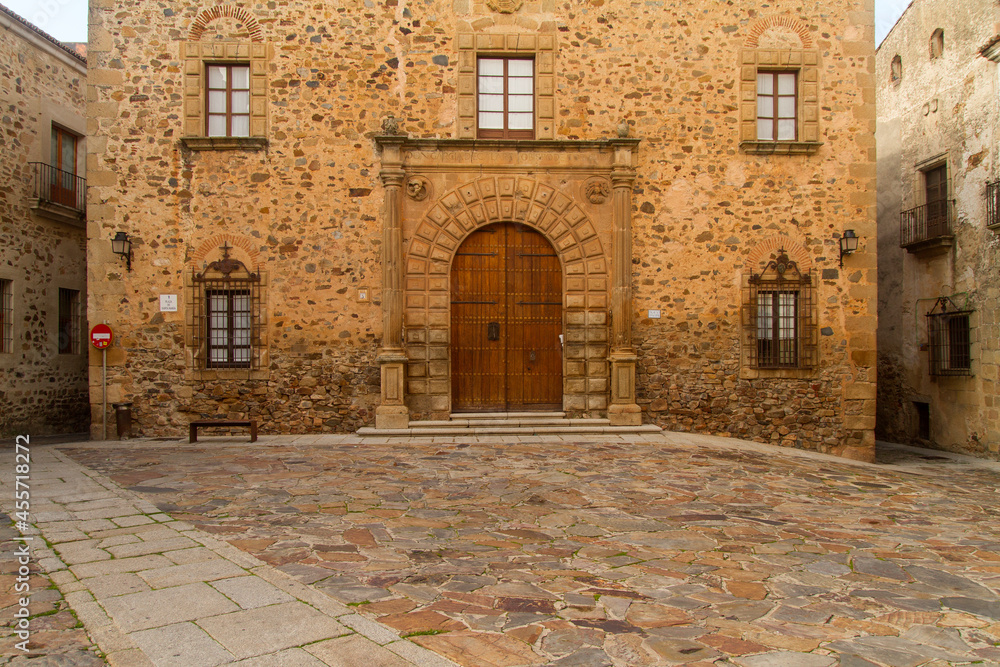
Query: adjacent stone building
x=939, y=227
x=43, y=282
x=348, y=214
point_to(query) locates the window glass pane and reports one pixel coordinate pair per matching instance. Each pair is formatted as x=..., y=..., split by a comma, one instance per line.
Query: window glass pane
x=216, y=76
x=241, y=102
x=765, y=84
x=520, y=103
x=520, y=67
x=216, y=126
x=765, y=106
x=491, y=84
x=786, y=84
x=520, y=121
x=241, y=126
x=520, y=86
x=491, y=102
x=786, y=107
x=67, y=160
x=765, y=130
x=786, y=130
x=490, y=121
x=491, y=66
x=241, y=78
x=217, y=101
x=241, y=355
x=764, y=315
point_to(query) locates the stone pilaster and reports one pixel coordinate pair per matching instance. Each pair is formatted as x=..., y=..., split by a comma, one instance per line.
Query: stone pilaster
x=392, y=411
x=623, y=409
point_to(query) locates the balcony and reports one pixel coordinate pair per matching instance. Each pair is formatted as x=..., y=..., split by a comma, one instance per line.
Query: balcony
x=58, y=195
x=993, y=205
x=928, y=228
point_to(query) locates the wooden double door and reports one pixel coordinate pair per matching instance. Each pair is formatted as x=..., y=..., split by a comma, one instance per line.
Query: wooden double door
x=506, y=321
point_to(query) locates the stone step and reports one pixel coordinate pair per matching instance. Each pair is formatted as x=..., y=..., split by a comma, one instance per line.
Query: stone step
x=426, y=431
x=507, y=415
x=515, y=421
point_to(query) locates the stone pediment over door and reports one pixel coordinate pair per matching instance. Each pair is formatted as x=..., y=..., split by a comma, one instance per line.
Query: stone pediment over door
x=576, y=193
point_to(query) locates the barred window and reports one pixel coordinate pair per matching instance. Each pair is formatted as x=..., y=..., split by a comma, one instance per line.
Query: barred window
x=6, y=315
x=69, y=321
x=779, y=324
x=949, y=339
x=227, y=315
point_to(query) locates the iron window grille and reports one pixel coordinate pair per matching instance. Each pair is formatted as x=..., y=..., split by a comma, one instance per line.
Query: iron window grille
x=780, y=326
x=227, y=315
x=6, y=316
x=69, y=321
x=993, y=204
x=949, y=339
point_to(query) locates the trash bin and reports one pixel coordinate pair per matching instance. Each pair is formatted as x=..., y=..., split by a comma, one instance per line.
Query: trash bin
x=123, y=418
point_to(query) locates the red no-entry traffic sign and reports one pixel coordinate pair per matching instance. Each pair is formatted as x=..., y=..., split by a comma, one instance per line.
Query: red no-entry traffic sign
x=100, y=336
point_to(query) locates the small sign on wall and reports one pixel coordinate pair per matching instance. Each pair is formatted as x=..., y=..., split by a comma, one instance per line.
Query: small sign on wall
x=654, y=315
x=363, y=295
x=168, y=303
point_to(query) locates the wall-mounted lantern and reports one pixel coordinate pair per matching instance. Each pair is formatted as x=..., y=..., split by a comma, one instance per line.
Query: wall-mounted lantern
x=121, y=245
x=848, y=244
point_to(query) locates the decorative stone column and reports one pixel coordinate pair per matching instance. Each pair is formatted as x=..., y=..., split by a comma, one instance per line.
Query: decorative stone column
x=392, y=411
x=623, y=410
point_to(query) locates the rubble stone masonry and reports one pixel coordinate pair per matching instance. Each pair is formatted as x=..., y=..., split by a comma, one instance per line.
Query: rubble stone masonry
x=42, y=249
x=656, y=98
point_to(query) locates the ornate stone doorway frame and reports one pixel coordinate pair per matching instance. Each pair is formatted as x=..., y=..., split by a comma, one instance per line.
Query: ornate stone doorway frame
x=576, y=193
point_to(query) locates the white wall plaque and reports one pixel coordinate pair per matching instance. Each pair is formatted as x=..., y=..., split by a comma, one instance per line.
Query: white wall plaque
x=168, y=303
x=654, y=314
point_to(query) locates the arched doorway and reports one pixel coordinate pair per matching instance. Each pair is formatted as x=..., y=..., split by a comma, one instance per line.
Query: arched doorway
x=506, y=321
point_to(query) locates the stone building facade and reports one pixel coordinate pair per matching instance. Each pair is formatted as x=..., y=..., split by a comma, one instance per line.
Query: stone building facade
x=939, y=227
x=43, y=281
x=391, y=212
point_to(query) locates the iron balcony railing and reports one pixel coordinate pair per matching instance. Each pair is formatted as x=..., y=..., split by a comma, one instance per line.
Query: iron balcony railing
x=59, y=187
x=993, y=204
x=927, y=223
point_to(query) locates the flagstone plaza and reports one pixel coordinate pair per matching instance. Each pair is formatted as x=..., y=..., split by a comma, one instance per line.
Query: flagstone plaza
x=592, y=550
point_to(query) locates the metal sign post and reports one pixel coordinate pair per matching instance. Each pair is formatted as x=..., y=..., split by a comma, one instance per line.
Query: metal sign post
x=100, y=338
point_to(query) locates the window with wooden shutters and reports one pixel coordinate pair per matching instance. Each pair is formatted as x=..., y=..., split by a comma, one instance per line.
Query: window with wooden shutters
x=506, y=98
x=6, y=315
x=228, y=100
x=777, y=105
x=69, y=321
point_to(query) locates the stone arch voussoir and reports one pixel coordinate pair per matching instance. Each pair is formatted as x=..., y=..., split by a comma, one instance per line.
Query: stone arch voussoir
x=223, y=11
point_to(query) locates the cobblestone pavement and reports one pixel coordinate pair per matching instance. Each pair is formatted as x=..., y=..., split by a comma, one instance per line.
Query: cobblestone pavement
x=57, y=637
x=675, y=549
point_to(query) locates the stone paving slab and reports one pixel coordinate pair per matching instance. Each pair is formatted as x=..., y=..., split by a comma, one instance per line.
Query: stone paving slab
x=673, y=549
x=150, y=590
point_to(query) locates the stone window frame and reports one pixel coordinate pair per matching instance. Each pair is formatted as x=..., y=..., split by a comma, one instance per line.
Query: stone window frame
x=197, y=57
x=795, y=274
x=202, y=276
x=804, y=63
x=540, y=48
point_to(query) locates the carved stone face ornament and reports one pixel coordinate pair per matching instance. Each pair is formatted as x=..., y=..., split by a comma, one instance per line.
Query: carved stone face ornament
x=597, y=190
x=505, y=6
x=417, y=189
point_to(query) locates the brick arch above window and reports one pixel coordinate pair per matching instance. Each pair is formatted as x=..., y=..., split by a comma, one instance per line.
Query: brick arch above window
x=242, y=248
x=761, y=26
x=767, y=249
x=205, y=17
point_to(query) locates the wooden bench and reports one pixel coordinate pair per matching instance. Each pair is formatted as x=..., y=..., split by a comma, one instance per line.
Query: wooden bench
x=202, y=423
